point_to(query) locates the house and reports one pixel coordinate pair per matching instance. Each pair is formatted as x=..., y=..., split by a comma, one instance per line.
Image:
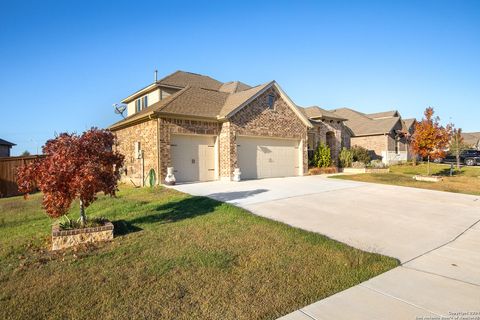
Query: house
x=472, y=139
x=5, y=147
x=327, y=128
x=384, y=134
x=205, y=129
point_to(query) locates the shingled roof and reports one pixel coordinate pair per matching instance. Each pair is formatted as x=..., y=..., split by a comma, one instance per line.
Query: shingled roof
x=201, y=97
x=315, y=112
x=183, y=79
x=362, y=124
x=385, y=114
x=6, y=143
x=471, y=138
x=409, y=123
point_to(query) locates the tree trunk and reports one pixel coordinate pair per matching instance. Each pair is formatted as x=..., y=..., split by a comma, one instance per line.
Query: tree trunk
x=83, y=217
x=428, y=165
x=458, y=161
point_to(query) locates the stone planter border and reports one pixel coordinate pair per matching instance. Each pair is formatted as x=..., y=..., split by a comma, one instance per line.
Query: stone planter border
x=365, y=170
x=62, y=239
x=428, y=178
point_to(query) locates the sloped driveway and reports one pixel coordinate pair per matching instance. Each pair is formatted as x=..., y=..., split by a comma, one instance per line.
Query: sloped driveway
x=434, y=234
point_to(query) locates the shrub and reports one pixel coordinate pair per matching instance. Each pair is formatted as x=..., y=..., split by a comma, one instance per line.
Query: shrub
x=377, y=164
x=358, y=165
x=346, y=158
x=361, y=154
x=322, y=157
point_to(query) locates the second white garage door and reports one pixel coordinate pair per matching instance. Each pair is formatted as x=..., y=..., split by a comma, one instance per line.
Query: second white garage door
x=267, y=157
x=193, y=157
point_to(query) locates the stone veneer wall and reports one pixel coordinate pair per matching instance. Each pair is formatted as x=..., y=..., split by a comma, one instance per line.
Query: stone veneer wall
x=319, y=134
x=169, y=126
x=257, y=119
x=147, y=133
x=62, y=239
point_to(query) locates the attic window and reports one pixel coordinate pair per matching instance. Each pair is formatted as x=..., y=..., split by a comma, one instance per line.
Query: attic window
x=271, y=101
x=141, y=103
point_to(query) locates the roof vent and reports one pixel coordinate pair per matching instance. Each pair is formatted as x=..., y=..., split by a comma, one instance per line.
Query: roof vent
x=155, y=75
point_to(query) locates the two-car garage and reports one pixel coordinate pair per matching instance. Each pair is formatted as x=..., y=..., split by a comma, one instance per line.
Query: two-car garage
x=195, y=157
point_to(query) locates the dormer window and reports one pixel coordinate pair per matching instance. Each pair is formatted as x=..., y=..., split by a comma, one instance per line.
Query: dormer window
x=141, y=103
x=271, y=101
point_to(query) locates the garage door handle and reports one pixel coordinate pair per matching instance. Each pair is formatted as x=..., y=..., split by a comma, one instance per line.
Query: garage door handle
x=211, y=169
x=173, y=145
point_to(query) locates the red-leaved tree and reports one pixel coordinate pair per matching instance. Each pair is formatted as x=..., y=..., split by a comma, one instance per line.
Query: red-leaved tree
x=430, y=138
x=74, y=166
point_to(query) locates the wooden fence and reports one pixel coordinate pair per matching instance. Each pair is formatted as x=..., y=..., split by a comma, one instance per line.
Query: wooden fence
x=8, y=174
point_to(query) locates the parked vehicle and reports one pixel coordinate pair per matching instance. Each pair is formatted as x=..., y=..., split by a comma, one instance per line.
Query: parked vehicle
x=468, y=157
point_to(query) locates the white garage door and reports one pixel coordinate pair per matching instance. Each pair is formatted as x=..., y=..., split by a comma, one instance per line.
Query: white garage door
x=193, y=157
x=267, y=157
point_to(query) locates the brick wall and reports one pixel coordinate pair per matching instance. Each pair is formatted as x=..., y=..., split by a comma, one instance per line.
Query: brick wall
x=169, y=126
x=376, y=144
x=257, y=119
x=147, y=133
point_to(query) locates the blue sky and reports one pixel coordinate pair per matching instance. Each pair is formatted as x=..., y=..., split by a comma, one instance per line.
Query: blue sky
x=63, y=63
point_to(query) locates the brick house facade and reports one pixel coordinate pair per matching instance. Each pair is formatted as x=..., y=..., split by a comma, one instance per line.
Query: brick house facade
x=263, y=111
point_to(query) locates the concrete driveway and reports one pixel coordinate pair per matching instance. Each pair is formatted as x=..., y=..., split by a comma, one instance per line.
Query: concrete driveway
x=434, y=234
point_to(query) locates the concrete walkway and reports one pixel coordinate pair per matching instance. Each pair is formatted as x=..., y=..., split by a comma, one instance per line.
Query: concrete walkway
x=435, y=235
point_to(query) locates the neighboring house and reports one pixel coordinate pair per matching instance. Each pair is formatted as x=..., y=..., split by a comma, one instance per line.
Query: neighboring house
x=472, y=139
x=5, y=147
x=328, y=128
x=384, y=134
x=206, y=129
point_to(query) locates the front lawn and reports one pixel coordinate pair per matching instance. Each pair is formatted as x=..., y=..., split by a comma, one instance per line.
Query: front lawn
x=466, y=180
x=174, y=257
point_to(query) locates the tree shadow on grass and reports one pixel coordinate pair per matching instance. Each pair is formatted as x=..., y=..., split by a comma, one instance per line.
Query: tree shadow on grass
x=446, y=172
x=174, y=211
x=122, y=227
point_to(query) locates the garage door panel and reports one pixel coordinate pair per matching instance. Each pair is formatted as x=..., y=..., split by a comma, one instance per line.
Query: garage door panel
x=193, y=157
x=267, y=157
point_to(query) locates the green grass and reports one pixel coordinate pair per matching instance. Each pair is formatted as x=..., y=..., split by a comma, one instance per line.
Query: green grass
x=174, y=257
x=466, y=180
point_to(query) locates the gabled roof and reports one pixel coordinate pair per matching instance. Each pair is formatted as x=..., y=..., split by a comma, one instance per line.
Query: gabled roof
x=6, y=143
x=363, y=125
x=385, y=114
x=200, y=96
x=188, y=79
x=315, y=112
x=236, y=100
x=409, y=123
x=205, y=103
x=196, y=102
x=234, y=86
x=179, y=79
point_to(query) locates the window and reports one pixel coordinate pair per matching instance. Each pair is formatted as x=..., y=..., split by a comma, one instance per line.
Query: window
x=138, y=150
x=141, y=103
x=138, y=106
x=271, y=101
